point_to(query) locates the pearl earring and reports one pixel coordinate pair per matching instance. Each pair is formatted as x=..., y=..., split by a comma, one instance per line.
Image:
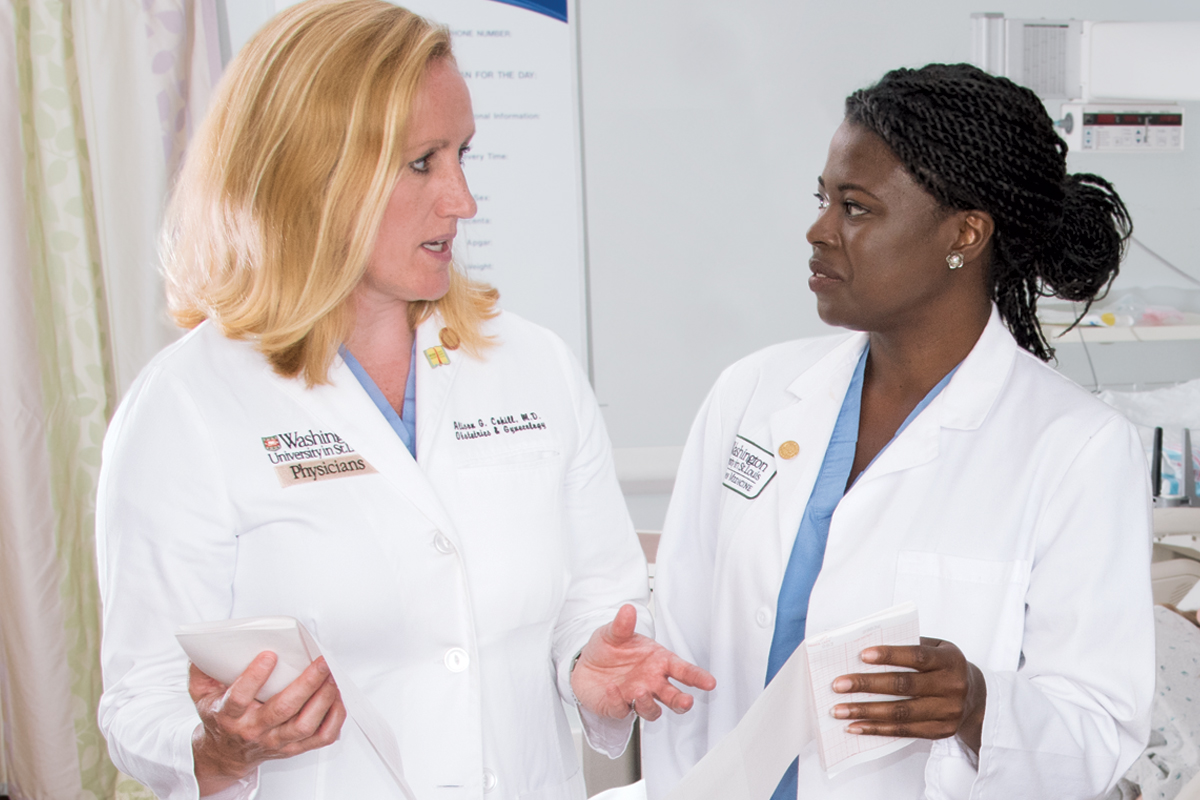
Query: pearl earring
x=954, y=260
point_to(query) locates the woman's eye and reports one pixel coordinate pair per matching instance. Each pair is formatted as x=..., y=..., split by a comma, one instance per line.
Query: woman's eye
x=420, y=165
x=822, y=202
x=853, y=209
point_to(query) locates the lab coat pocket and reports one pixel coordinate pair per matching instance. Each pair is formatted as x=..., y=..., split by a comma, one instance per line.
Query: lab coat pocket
x=513, y=504
x=978, y=605
x=508, y=461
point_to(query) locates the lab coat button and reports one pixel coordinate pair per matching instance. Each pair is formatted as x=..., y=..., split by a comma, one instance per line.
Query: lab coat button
x=489, y=780
x=443, y=544
x=456, y=659
x=788, y=449
x=763, y=617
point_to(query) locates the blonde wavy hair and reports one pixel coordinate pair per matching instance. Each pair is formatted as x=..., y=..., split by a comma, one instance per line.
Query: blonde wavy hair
x=277, y=206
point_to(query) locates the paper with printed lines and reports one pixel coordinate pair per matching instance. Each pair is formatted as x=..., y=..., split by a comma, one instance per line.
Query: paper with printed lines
x=793, y=712
x=835, y=653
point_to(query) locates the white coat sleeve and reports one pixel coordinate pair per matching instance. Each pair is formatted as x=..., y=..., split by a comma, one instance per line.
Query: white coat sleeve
x=683, y=592
x=1075, y=715
x=166, y=555
x=607, y=566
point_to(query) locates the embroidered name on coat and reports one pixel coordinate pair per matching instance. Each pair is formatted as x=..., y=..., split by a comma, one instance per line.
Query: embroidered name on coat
x=499, y=425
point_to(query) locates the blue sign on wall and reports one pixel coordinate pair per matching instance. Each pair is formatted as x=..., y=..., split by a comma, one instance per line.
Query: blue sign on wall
x=551, y=8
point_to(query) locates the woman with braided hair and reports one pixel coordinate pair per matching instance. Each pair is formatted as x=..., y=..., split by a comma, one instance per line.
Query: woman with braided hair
x=929, y=456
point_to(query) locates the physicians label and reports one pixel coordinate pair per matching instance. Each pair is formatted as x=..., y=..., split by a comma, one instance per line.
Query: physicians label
x=498, y=425
x=322, y=470
x=312, y=455
x=749, y=469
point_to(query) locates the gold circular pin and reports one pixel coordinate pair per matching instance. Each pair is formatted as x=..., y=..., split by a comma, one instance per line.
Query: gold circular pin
x=450, y=339
x=788, y=449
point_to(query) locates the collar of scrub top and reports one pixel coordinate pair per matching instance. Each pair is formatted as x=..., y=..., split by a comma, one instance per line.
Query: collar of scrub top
x=809, y=550
x=405, y=425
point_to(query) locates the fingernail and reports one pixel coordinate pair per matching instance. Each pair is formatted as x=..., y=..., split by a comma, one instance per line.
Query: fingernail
x=840, y=712
x=870, y=656
x=854, y=729
x=842, y=685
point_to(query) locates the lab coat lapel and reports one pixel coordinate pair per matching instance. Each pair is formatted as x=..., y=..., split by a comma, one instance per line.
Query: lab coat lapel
x=346, y=407
x=916, y=445
x=963, y=404
x=808, y=423
x=434, y=384
x=974, y=389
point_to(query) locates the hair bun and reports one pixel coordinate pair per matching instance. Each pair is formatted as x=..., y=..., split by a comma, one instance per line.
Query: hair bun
x=977, y=141
x=1083, y=255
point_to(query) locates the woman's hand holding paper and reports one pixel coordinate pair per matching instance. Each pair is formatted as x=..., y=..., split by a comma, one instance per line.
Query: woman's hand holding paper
x=945, y=694
x=238, y=733
x=620, y=670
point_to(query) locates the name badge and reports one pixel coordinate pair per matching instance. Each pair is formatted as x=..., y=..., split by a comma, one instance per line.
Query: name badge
x=749, y=469
x=313, y=455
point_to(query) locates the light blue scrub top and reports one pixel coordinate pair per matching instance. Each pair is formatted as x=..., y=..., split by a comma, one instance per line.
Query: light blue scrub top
x=404, y=425
x=809, y=550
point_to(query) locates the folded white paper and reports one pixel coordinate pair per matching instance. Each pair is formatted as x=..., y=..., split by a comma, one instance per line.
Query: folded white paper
x=787, y=717
x=835, y=653
x=224, y=648
x=749, y=760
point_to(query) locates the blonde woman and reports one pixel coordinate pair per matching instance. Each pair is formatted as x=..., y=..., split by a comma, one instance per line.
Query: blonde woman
x=354, y=435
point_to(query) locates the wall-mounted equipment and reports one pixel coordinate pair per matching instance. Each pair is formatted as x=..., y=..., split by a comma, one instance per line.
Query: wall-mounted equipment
x=1122, y=127
x=1122, y=80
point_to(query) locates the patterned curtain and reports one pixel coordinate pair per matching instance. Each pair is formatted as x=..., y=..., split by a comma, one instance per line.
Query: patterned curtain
x=83, y=86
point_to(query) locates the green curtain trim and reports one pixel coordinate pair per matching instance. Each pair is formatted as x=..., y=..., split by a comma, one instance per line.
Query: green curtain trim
x=76, y=369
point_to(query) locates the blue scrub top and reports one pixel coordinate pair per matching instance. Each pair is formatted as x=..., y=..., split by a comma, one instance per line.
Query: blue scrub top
x=809, y=550
x=405, y=425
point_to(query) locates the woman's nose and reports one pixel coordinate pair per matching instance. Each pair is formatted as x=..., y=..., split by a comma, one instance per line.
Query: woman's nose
x=458, y=200
x=820, y=231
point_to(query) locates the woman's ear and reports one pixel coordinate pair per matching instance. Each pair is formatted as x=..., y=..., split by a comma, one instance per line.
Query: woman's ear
x=975, y=230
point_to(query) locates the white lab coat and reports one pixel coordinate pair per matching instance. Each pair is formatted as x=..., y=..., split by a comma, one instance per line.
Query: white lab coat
x=1014, y=511
x=454, y=591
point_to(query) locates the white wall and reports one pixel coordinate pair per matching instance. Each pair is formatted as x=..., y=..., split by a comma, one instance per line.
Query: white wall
x=705, y=126
x=244, y=17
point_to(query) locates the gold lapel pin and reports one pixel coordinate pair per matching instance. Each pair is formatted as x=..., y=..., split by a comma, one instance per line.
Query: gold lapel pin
x=450, y=338
x=788, y=450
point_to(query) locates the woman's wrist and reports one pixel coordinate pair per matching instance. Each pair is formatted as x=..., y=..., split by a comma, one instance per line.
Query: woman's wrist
x=215, y=771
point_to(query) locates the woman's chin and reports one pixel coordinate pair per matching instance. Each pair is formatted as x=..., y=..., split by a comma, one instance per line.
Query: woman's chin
x=831, y=315
x=433, y=291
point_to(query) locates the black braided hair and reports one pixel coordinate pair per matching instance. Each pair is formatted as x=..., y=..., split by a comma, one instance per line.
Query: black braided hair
x=976, y=141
